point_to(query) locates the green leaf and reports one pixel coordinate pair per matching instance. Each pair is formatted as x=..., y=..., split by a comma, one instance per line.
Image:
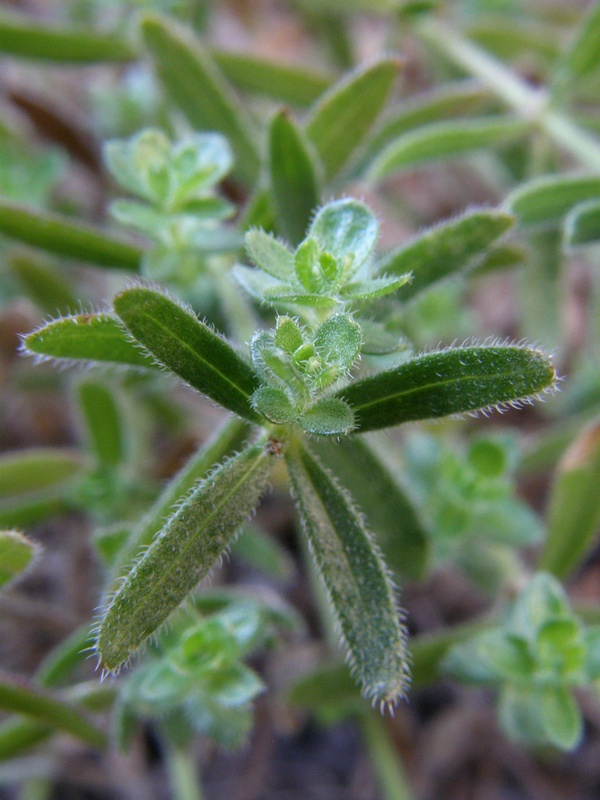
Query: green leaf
x=86, y=337
x=582, y=224
x=346, y=229
x=274, y=404
x=35, y=469
x=44, y=284
x=378, y=287
x=328, y=417
x=180, y=342
x=17, y=552
x=445, y=249
x=441, y=140
x=561, y=717
x=22, y=37
x=189, y=546
x=574, y=505
x=194, y=83
x=448, y=382
x=458, y=99
x=103, y=422
x=582, y=57
x=388, y=510
x=293, y=178
x=355, y=577
x=545, y=201
x=345, y=114
x=65, y=237
x=270, y=255
x=229, y=438
x=338, y=340
x=287, y=83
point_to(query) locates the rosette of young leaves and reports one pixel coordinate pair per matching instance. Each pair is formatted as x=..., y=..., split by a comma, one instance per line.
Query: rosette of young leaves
x=297, y=366
x=178, y=206
x=467, y=498
x=332, y=267
x=197, y=675
x=537, y=656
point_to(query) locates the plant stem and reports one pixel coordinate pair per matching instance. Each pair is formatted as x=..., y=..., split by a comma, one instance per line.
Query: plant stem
x=183, y=773
x=384, y=758
x=527, y=101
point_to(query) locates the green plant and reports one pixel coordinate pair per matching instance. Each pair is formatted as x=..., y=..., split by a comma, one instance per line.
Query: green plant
x=240, y=264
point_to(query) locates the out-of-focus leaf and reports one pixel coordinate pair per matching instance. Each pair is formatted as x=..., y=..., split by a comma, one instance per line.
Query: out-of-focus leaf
x=44, y=284
x=574, y=505
x=65, y=237
x=582, y=224
x=581, y=58
x=545, y=201
x=343, y=117
x=293, y=178
x=103, y=422
x=194, y=83
x=36, y=469
x=25, y=38
x=441, y=140
x=17, y=552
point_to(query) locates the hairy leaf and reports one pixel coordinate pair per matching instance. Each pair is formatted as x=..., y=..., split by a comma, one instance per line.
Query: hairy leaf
x=17, y=552
x=189, y=546
x=545, y=201
x=447, y=382
x=355, y=577
x=180, y=342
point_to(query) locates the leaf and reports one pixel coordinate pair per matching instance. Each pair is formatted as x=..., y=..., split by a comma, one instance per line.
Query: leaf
x=441, y=140
x=561, y=717
x=180, y=342
x=574, y=505
x=22, y=37
x=378, y=287
x=44, y=284
x=388, y=510
x=188, y=547
x=445, y=249
x=36, y=469
x=440, y=104
x=288, y=83
x=17, y=552
x=581, y=58
x=338, y=340
x=355, y=577
x=65, y=237
x=103, y=422
x=344, y=115
x=86, y=337
x=346, y=229
x=328, y=417
x=293, y=179
x=195, y=84
x=545, y=201
x=270, y=255
x=582, y=224
x=42, y=706
x=274, y=404
x=447, y=382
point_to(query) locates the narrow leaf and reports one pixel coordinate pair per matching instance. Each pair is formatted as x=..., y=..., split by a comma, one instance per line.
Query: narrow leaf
x=189, y=348
x=545, y=201
x=42, y=706
x=44, y=284
x=86, y=337
x=346, y=113
x=287, y=83
x=387, y=508
x=582, y=57
x=36, y=469
x=452, y=100
x=17, y=552
x=445, y=249
x=22, y=37
x=195, y=84
x=448, y=382
x=103, y=422
x=189, y=546
x=355, y=577
x=293, y=179
x=574, y=505
x=442, y=140
x=65, y=237
x=582, y=224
